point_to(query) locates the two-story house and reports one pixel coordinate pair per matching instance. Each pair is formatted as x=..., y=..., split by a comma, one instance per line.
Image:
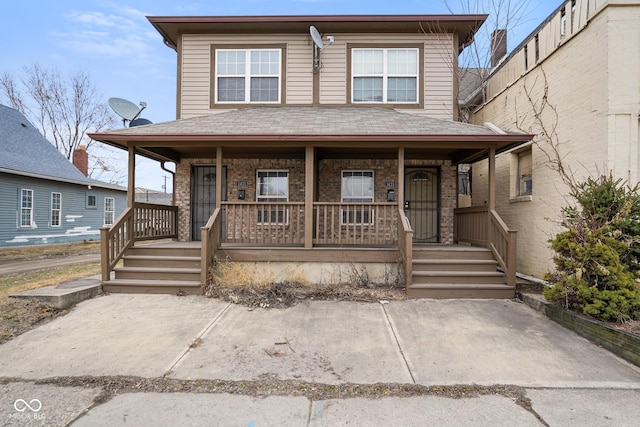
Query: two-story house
x=317, y=145
x=574, y=82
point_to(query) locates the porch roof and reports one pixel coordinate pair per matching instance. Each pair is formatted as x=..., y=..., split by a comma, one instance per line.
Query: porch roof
x=331, y=127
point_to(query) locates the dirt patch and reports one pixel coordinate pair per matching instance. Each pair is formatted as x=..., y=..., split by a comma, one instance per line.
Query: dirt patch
x=632, y=326
x=17, y=316
x=287, y=294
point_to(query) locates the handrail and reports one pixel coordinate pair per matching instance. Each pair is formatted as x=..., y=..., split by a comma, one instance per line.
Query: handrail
x=143, y=221
x=114, y=241
x=481, y=226
x=502, y=242
x=210, y=241
x=405, y=245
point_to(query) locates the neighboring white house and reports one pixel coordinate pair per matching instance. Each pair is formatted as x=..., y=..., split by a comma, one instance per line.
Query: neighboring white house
x=587, y=53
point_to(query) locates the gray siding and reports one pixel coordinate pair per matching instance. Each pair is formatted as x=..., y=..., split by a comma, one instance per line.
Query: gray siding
x=78, y=222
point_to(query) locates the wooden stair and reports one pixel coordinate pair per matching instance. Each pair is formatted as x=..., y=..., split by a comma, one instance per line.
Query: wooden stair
x=457, y=272
x=158, y=270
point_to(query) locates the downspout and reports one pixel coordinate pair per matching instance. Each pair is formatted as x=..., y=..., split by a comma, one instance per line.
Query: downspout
x=173, y=182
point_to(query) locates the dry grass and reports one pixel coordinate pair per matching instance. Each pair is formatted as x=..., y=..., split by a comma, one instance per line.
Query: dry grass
x=17, y=315
x=19, y=253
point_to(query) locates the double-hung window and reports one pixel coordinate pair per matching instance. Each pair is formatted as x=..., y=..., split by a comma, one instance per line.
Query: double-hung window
x=525, y=174
x=384, y=75
x=357, y=188
x=248, y=76
x=109, y=210
x=26, y=208
x=272, y=189
x=56, y=209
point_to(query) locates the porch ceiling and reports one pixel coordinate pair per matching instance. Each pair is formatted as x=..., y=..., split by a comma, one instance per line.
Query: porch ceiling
x=285, y=131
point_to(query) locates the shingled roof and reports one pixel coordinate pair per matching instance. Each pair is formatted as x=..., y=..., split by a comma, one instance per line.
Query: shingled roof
x=308, y=121
x=26, y=152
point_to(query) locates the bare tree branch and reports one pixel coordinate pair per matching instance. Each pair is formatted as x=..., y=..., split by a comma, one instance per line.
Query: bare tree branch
x=64, y=109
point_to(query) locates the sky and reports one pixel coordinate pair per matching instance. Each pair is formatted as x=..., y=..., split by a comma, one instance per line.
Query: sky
x=125, y=57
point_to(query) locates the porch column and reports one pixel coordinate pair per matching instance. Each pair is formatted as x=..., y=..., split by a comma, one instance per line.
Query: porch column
x=219, y=175
x=400, y=186
x=309, y=194
x=131, y=190
x=492, y=178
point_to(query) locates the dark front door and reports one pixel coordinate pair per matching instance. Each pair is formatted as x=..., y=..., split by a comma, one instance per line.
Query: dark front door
x=422, y=203
x=203, y=196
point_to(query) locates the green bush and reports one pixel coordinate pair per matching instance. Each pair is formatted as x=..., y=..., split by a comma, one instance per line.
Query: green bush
x=598, y=257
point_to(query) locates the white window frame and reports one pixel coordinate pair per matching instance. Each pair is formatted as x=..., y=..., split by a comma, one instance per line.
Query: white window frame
x=56, y=212
x=247, y=75
x=521, y=189
x=350, y=217
x=281, y=218
x=28, y=209
x=386, y=75
x=108, y=211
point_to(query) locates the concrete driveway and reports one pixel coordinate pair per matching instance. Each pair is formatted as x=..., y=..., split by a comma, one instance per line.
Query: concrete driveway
x=427, y=342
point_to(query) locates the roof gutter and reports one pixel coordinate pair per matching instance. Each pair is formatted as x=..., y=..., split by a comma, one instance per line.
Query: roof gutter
x=67, y=181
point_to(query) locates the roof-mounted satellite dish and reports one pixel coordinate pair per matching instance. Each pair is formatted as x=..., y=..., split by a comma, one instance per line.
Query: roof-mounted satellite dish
x=128, y=111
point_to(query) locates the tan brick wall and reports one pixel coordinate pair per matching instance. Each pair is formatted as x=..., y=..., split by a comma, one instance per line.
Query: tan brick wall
x=591, y=79
x=328, y=185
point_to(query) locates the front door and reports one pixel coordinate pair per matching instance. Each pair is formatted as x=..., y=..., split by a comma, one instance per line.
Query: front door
x=422, y=203
x=203, y=196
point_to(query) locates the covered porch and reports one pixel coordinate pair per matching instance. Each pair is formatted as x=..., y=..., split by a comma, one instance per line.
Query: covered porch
x=316, y=221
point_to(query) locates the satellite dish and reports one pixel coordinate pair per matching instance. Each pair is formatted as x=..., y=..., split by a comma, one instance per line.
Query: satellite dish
x=139, y=122
x=126, y=109
x=316, y=37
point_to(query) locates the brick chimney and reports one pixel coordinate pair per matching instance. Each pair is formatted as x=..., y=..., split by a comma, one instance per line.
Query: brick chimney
x=81, y=159
x=498, y=46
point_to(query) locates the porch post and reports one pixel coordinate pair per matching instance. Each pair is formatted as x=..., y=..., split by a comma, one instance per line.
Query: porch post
x=309, y=194
x=400, y=186
x=492, y=178
x=219, y=176
x=131, y=190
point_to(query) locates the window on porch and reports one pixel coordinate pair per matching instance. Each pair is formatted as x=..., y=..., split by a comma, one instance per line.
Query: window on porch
x=272, y=187
x=357, y=187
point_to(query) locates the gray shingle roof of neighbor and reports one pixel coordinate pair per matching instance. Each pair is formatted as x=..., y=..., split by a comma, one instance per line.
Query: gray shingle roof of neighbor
x=24, y=151
x=308, y=121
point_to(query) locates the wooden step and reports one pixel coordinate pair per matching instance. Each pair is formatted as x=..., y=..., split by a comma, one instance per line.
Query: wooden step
x=446, y=290
x=454, y=264
x=458, y=277
x=161, y=261
x=155, y=273
x=173, y=287
x=165, y=251
x=451, y=252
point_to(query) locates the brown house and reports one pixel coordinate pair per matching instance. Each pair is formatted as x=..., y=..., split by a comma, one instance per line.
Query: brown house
x=308, y=154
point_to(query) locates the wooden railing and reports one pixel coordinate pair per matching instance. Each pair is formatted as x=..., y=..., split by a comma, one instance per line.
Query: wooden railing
x=155, y=221
x=210, y=235
x=355, y=224
x=263, y=223
x=114, y=241
x=480, y=226
x=143, y=221
x=405, y=245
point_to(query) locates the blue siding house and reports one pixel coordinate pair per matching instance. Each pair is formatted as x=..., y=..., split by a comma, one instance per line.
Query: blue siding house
x=43, y=197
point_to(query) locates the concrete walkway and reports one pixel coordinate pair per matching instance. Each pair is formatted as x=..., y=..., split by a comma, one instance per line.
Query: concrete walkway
x=568, y=380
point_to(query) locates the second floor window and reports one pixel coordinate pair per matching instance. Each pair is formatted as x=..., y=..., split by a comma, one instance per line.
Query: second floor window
x=384, y=76
x=248, y=75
